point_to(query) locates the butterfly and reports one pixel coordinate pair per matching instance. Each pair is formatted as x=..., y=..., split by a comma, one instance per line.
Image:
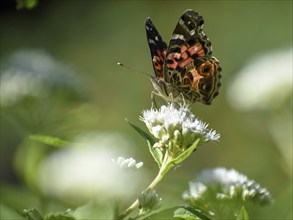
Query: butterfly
x=184, y=69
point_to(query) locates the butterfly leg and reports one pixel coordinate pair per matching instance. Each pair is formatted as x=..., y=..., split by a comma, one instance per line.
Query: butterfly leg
x=172, y=100
x=182, y=97
x=154, y=104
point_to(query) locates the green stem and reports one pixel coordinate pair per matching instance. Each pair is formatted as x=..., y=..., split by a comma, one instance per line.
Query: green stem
x=166, y=166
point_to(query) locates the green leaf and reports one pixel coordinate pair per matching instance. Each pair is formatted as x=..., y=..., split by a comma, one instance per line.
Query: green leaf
x=94, y=210
x=189, y=213
x=32, y=214
x=28, y=4
x=52, y=141
x=145, y=135
x=60, y=216
x=185, y=153
x=157, y=154
x=242, y=215
x=185, y=214
x=162, y=214
x=178, y=212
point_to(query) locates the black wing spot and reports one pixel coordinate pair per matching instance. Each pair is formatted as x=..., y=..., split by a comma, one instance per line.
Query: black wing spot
x=183, y=17
x=190, y=76
x=190, y=25
x=204, y=37
x=206, y=69
x=191, y=42
x=200, y=20
x=177, y=59
x=182, y=71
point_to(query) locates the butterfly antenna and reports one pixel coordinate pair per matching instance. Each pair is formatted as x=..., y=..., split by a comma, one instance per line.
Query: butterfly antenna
x=127, y=67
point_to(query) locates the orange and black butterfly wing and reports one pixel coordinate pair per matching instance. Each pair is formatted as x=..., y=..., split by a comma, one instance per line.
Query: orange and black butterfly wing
x=189, y=66
x=157, y=47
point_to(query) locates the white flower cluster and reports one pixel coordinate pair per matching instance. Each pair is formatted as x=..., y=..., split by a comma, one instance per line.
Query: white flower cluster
x=225, y=185
x=174, y=123
x=127, y=163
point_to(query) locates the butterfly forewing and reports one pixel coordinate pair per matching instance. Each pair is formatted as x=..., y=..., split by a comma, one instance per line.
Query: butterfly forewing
x=157, y=47
x=188, y=68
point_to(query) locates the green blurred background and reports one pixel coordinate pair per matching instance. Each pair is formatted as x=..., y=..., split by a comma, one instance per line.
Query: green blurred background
x=85, y=39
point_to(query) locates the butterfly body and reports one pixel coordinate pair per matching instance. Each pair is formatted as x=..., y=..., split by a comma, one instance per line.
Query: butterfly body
x=185, y=68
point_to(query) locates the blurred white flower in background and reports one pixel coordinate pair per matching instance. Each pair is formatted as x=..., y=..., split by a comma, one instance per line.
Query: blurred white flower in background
x=265, y=84
x=36, y=74
x=79, y=173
